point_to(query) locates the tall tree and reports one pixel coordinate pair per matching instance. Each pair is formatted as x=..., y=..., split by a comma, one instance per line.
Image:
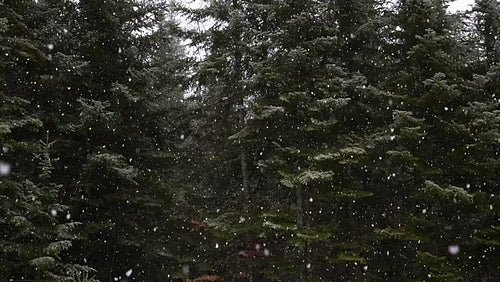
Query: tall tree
x=487, y=21
x=228, y=191
x=112, y=100
x=37, y=228
x=304, y=125
x=434, y=211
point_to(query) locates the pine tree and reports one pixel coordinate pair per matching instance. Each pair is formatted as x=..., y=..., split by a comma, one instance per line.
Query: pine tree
x=34, y=238
x=313, y=140
x=305, y=125
x=487, y=21
x=434, y=211
x=112, y=100
x=221, y=78
x=361, y=26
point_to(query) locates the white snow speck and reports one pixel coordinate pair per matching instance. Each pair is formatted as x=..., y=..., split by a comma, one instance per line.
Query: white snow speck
x=216, y=245
x=53, y=212
x=128, y=273
x=182, y=136
x=50, y=47
x=365, y=268
x=393, y=137
x=68, y=216
x=308, y=266
x=4, y=168
x=311, y=200
x=453, y=249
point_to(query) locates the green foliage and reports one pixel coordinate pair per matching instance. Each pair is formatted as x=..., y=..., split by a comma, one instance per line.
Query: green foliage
x=311, y=141
x=437, y=267
x=434, y=191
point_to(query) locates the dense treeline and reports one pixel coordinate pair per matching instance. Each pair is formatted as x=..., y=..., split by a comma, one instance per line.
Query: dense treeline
x=312, y=141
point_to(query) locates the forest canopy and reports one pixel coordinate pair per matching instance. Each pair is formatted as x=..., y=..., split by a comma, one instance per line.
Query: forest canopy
x=237, y=140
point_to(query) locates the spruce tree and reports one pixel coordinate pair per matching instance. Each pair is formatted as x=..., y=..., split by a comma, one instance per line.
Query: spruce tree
x=305, y=123
x=312, y=140
x=434, y=210
x=37, y=229
x=225, y=194
x=112, y=100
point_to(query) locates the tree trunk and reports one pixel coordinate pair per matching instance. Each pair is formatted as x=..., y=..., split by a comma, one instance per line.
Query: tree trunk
x=244, y=176
x=300, y=225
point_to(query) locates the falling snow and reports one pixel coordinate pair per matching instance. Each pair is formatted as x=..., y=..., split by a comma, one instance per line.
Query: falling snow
x=249, y=141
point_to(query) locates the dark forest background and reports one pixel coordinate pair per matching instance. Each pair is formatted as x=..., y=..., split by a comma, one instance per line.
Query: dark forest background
x=312, y=141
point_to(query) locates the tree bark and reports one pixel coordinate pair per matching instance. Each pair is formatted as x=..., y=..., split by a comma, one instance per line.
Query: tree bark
x=300, y=225
x=244, y=176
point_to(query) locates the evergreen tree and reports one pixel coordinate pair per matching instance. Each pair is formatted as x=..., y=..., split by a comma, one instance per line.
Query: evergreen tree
x=312, y=140
x=300, y=106
x=112, y=100
x=36, y=233
x=434, y=211
x=487, y=21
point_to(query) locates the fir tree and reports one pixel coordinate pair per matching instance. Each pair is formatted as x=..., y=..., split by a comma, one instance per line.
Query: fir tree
x=36, y=232
x=434, y=211
x=300, y=104
x=111, y=100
